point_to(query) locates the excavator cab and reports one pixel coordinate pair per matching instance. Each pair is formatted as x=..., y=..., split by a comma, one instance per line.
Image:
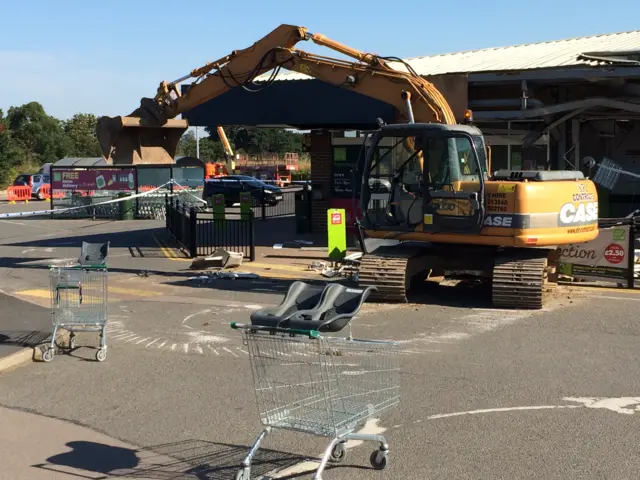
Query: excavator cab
x=425, y=178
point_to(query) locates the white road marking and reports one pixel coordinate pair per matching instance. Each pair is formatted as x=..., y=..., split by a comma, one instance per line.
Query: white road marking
x=206, y=338
x=143, y=340
x=199, y=349
x=131, y=339
x=213, y=349
x=618, y=405
x=230, y=351
x=173, y=347
x=496, y=410
x=186, y=348
x=253, y=307
x=621, y=405
x=370, y=428
x=151, y=343
x=189, y=317
x=163, y=344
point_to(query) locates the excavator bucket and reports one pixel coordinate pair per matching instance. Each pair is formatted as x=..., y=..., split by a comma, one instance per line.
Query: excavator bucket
x=139, y=139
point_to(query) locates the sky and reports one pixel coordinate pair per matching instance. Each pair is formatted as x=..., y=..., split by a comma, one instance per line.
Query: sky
x=102, y=56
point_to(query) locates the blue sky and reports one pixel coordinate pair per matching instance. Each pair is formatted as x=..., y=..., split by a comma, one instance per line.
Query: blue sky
x=103, y=56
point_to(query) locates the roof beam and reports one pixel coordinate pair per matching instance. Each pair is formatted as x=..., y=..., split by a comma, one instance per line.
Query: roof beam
x=594, y=73
x=562, y=107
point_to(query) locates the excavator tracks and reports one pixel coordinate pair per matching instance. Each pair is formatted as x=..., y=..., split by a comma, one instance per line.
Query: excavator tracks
x=519, y=282
x=387, y=273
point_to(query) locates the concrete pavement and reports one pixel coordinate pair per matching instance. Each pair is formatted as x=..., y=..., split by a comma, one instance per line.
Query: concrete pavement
x=486, y=393
x=546, y=395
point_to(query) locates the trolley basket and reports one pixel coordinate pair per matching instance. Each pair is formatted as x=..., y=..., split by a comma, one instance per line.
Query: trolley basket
x=321, y=385
x=78, y=304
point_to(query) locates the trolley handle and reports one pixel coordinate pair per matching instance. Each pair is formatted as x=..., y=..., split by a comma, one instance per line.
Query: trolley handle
x=290, y=331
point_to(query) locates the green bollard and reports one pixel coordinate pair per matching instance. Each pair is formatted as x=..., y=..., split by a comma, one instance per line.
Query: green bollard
x=245, y=205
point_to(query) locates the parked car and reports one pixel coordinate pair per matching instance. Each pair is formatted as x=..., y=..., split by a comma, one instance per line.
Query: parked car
x=33, y=180
x=231, y=185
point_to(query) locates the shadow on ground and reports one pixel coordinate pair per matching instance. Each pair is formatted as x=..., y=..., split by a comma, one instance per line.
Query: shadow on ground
x=191, y=459
x=121, y=239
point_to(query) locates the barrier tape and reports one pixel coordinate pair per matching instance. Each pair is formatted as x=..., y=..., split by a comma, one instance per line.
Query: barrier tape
x=63, y=210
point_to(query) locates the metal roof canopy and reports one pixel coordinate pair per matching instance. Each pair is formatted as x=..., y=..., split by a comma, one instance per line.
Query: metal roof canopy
x=300, y=101
x=81, y=162
x=613, y=49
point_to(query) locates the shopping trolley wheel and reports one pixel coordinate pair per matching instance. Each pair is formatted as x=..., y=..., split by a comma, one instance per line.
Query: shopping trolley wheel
x=241, y=475
x=339, y=453
x=378, y=460
x=101, y=355
x=47, y=355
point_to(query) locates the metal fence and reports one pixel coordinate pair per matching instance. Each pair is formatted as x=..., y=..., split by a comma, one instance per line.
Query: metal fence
x=285, y=207
x=232, y=234
x=199, y=233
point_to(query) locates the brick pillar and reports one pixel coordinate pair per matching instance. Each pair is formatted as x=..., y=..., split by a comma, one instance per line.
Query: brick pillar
x=321, y=155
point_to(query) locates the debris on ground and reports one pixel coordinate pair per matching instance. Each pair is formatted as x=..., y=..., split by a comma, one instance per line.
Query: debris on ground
x=221, y=258
x=293, y=244
x=208, y=277
x=347, y=267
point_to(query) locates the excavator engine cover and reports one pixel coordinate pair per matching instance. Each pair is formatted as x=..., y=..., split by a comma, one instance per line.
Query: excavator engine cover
x=140, y=138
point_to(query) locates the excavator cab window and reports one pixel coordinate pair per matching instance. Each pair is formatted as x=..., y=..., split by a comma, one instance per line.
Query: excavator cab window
x=454, y=188
x=436, y=182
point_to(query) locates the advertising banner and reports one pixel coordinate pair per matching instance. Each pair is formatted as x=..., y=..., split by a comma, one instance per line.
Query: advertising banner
x=605, y=258
x=103, y=179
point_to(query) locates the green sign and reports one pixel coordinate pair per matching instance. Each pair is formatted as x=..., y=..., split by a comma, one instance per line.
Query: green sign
x=339, y=154
x=245, y=204
x=337, y=231
x=218, y=207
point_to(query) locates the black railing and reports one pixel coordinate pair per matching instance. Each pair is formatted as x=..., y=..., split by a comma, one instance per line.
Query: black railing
x=270, y=207
x=181, y=224
x=232, y=234
x=199, y=233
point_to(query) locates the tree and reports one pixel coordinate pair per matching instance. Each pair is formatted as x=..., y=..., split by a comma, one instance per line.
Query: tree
x=260, y=140
x=80, y=132
x=210, y=150
x=38, y=134
x=11, y=155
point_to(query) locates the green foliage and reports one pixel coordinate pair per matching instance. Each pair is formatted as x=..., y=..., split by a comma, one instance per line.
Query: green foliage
x=210, y=150
x=259, y=140
x=11, y=154
x=80, y=132
x=29, y=138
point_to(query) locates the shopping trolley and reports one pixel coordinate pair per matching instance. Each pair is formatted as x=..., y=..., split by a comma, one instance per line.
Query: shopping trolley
x=79, y=298
x=321, y=385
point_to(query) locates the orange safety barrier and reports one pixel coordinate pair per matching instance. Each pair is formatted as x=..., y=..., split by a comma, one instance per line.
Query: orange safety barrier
x=19, y=193
x=45, y=190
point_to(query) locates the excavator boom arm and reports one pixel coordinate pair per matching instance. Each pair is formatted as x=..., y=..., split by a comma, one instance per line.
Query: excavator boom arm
x=151, y=133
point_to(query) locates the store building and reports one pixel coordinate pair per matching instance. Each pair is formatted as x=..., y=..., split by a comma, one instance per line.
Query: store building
x=541, y=106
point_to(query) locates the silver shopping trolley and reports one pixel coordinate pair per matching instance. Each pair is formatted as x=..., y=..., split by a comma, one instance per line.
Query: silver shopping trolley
x=322, y=385
x=79, y=298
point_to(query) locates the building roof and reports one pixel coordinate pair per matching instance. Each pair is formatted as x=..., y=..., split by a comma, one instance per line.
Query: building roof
x=622, y=48
x=80, y=162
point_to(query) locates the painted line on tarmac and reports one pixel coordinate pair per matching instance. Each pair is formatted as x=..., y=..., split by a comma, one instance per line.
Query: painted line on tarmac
x=169, y=252
x=371, y=427
x=620, y=405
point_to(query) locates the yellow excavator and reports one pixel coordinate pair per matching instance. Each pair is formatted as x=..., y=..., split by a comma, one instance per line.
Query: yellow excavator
x=427, y=186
